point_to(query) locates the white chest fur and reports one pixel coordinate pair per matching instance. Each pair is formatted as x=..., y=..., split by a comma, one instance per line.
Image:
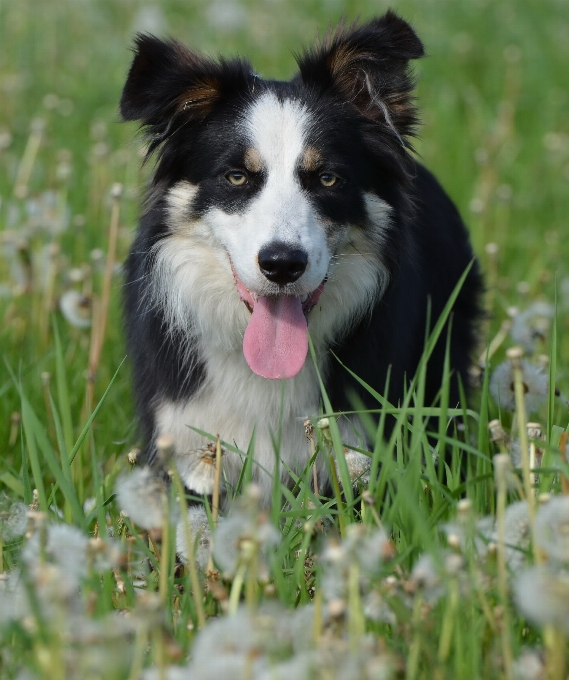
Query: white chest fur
x=241, y=406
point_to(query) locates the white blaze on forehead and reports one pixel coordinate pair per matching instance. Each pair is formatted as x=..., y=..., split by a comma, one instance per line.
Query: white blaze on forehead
x=277, y=130
x=276, y=133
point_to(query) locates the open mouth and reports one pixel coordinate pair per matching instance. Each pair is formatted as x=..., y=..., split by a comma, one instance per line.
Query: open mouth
x=275, y=344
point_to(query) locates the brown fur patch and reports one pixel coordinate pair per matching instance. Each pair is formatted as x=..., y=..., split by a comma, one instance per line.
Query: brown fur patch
x=199, y=99
x=311, y=159
x=252, y=160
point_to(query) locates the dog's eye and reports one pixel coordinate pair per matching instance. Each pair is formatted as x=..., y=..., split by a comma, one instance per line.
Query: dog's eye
x=236, y=178
x=327, y=179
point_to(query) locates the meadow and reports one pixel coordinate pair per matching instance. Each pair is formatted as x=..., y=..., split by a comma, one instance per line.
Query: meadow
x=416, y=568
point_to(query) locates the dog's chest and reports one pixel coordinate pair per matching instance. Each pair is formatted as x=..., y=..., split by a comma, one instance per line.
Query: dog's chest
x=245, y=409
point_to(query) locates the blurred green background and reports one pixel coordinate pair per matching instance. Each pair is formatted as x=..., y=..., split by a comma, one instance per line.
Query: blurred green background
x=493, y=94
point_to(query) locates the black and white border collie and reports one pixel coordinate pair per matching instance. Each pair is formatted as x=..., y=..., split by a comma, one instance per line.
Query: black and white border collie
x=278, y=210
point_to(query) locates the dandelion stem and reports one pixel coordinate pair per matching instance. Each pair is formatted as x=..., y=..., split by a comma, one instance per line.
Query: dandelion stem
x=479, y=589
x=28, y=159
x=356, y=623
x=415, y=647
x=215, y=499
x=563, y=451
x=165, y=562
x=448, y=622
x=501, y=498
x=140, y=645
x=101, y=317
x=236, y=587
x=369, y=502
x=337, y=493
x=48, y=293
x=251, y=584
x=155, y=548
x=189, y=540
x=217, y=480
x=555, y=652
x=317, y=627
x=515, y=356
x=309, y=431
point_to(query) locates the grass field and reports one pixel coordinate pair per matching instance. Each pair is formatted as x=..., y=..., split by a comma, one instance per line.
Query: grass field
x=432, y=575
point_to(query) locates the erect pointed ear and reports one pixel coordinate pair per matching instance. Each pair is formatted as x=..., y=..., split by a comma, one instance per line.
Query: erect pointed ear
x=166, y=80
x=368, y=65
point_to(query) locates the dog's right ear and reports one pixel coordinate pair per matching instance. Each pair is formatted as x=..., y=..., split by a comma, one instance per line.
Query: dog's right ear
x=367, y=65
x=167, y=80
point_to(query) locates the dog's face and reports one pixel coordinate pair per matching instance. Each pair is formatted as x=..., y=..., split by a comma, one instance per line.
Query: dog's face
x=268, y=195
x=284, y=178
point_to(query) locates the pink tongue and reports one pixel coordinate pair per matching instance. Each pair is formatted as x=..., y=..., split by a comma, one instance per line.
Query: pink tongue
x=276, y=340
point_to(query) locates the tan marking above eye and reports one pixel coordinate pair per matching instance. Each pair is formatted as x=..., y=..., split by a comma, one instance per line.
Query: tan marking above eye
x=311, y=159
x=327, y=179
x=252, y=160
x=236, y=178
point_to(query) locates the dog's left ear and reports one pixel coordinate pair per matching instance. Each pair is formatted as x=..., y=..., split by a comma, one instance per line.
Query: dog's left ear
x=368, y=66
x=169, y=85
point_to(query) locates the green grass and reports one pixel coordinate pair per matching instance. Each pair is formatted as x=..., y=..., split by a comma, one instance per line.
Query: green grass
x=493, y=96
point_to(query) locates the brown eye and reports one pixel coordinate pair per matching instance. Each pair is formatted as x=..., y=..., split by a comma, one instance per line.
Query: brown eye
x=327, y=179
x=236, y=178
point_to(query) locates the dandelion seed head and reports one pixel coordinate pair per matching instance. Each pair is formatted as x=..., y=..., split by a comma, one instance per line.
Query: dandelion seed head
x=104, y=554
x=335, y=552
x=531, y=325
x=245, y=529
x=359, y=466
x=76, y=308
x=301, y=667
x=376, y=608
x=200, y=535
x=168, y=673
x=542, y=596
x=365, y=548
x=454, y=564
x=198, y=469
x=13, y=519
x=552, y=528
x=14, y=604
x=240, y=633
x=369, y=548
x=529, y=666
x=56, y=557
x=536, y=386
x=517, y=532
x=141, y=495
x=425, y=573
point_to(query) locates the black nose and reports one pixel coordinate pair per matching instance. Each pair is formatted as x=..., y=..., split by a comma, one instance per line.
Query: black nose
x=282, y=264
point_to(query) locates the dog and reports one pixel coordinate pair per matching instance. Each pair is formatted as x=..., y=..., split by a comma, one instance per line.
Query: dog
x=279, y=211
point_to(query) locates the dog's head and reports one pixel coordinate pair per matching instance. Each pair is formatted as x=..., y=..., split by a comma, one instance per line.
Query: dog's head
x=286, y=177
